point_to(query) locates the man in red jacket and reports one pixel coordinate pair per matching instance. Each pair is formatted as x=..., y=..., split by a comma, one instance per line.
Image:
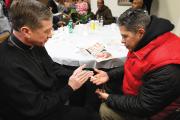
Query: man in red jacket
x=150, y=78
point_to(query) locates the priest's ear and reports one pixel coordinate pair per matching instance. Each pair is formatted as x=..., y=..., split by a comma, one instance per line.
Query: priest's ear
x=26, y=31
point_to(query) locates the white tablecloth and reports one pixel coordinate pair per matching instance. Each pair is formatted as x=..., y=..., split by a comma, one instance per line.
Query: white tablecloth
x=66, y=48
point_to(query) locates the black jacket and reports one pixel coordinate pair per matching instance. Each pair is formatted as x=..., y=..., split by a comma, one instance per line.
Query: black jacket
x=53, y=5
x=105, y=12
x=160, y=87
x=32, y=86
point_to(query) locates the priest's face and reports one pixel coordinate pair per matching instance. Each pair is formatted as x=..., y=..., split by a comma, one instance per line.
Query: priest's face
x=39, y=36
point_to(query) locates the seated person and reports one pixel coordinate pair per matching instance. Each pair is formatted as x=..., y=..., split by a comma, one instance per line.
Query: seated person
x=83, y=12
x=56, y=6
x=104, y=12
x=59, y=17
x=137, y=4
x=70, y=8
x=4, y=22
x=69, y=4
x=149, y=83
x=4, y=35
x=141, y=4
x=89, y=4
x=32, y=86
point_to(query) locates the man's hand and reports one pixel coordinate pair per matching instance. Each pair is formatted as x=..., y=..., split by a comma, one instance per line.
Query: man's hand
x=79, y=77
x=100, y=78
x=102, y=94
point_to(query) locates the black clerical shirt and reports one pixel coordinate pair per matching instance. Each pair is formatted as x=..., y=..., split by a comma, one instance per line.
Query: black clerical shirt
x=32, y=86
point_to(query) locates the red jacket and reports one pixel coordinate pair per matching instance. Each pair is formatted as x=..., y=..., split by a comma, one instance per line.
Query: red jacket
x=8, y=3
x=160, y=52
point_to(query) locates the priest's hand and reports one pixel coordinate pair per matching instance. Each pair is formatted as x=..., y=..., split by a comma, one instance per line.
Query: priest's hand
x=79, y=77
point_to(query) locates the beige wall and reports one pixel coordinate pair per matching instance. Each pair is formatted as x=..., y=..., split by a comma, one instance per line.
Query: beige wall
x=169, y=9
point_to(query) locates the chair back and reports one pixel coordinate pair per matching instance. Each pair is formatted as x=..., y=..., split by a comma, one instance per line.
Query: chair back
x=4, y=36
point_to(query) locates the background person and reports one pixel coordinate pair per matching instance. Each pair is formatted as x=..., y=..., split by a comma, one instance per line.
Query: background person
x=146, y=4
x=138, y=4
x=4, y=22
x=104, y=12
x=59, y=17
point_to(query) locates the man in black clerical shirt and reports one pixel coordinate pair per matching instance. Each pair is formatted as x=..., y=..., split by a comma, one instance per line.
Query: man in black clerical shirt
x=32, y=86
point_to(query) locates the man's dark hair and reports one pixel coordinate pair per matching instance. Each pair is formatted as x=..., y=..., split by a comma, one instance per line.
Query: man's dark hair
x=29, y=13
x=133, y=19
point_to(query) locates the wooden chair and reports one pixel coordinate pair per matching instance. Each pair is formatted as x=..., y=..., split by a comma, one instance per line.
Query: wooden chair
x=4, y=36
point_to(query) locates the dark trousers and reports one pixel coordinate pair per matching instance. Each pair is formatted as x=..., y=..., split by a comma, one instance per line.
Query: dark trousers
x=72, y=113
x=83, y=102
x=86, y=97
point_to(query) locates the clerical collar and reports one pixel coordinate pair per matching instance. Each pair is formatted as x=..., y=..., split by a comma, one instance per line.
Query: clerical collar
x=17, y=43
